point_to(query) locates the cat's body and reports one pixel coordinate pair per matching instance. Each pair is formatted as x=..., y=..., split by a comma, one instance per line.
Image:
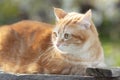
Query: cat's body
x=27, y=47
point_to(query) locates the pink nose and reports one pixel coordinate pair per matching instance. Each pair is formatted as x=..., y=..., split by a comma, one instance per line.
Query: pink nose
x=57, y=44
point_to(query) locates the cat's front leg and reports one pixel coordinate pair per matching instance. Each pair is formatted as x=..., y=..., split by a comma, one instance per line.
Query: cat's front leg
x=78, y=70
x=74, y=69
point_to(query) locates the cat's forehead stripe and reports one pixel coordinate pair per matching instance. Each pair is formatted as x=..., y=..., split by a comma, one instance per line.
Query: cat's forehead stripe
x=69, y=19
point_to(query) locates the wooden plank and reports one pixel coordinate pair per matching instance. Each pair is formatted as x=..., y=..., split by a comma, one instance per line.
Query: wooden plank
x=5, y=76
x=93, y=74
x=103, y=72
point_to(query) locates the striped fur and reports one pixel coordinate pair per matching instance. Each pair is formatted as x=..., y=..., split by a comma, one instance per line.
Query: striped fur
x=34, y=47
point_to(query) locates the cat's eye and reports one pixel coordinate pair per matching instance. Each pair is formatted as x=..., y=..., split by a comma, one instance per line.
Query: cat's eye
x=66, y=36
x=55, y=34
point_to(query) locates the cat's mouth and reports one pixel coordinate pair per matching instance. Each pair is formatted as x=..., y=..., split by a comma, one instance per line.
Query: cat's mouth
x=61, y=49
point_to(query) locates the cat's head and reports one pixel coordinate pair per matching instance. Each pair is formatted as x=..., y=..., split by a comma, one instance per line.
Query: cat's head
x=74, y=32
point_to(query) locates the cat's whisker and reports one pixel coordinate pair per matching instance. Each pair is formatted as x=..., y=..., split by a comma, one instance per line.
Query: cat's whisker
x=51, y=43
x=43, y=53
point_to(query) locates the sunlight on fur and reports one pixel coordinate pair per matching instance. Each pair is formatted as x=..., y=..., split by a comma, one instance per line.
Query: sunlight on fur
x=70, y=47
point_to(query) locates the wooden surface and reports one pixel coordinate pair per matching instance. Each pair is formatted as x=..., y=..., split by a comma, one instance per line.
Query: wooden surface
x=103, y=72
x=92, y=74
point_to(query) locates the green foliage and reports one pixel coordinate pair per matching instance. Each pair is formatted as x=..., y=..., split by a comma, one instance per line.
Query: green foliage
x=8, y=11
x=112, y=54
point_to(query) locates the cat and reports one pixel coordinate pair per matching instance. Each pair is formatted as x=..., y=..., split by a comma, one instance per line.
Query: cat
x=28, y=47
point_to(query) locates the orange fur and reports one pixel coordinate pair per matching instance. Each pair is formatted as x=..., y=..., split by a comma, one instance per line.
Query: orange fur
x=30, y=46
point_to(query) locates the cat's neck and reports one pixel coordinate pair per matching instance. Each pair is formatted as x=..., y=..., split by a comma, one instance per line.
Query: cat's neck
x=91, y=53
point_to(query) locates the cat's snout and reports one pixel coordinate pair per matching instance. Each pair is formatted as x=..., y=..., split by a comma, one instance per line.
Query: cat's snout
x=58, y=44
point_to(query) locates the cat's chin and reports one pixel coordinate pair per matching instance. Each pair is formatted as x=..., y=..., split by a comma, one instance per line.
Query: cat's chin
x=66, y=50
x=61, y=51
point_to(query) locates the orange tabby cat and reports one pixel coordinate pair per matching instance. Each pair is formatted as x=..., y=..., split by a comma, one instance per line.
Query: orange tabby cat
x=35, y=47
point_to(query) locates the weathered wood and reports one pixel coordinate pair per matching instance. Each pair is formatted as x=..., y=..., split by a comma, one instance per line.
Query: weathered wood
x=5, y=76
x=103, y=72
x=93, y=74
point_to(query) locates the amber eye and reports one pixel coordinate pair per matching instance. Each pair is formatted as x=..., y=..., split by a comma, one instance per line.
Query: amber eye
x=66, y=36
x=55, y=34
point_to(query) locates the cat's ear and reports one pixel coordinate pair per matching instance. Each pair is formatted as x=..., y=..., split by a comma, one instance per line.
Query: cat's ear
x=59, y=13
x=85, y=21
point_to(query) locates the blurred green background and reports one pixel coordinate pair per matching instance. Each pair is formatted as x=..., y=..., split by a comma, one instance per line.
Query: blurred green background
x=106, y=16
